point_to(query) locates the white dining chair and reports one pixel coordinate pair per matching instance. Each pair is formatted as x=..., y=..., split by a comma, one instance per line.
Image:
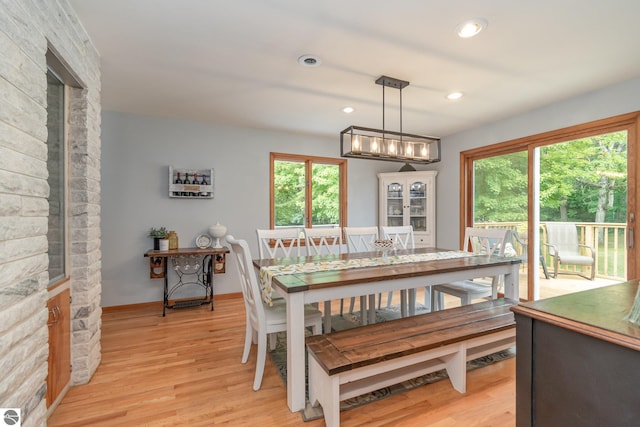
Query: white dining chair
x=359, y=239
x=481, y=241
x=403, y=238
x=263, y=320
x=278, y=243
x=324, y=241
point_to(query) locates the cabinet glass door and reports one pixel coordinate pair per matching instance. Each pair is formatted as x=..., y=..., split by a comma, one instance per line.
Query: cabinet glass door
x=418, y=206
x=395, y=197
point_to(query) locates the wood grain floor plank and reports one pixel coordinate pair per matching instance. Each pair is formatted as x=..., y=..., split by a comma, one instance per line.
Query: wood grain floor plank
x=184, y=370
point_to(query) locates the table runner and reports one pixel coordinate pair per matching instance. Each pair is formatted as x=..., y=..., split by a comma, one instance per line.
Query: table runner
x=267, y=273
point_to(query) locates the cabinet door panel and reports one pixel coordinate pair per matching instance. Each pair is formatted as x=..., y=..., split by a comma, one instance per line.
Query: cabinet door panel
x=408, y=198
x=59, y=344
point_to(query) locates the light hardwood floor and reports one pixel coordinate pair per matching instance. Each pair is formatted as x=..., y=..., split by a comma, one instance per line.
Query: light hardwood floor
x=184, y=370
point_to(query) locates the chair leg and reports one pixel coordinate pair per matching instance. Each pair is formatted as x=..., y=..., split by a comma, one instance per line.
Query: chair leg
x=272, y=342
x=544, y=267
x=248, y=337
x=262, y=354
x=316, y=328
x=327, y=316
x=364, y=315
x=427, y=297
x=352, y=304
x=341, y=306
x=389, y=298
x=437, y=300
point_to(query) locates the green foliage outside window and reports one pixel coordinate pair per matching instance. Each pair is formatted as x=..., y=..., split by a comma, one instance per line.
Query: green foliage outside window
x=584, y=180
x=290, y=197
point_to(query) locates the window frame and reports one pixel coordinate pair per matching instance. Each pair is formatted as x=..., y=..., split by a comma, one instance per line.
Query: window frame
x=62, y=182
x=61, y=71
x=308, y=161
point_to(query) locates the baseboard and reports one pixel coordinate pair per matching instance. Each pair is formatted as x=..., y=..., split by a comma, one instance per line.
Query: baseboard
x=115, y=308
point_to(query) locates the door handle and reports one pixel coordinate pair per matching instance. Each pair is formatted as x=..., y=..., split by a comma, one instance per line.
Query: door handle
x=630, y=238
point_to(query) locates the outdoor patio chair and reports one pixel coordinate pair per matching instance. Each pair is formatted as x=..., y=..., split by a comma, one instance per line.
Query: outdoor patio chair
x=566, y=249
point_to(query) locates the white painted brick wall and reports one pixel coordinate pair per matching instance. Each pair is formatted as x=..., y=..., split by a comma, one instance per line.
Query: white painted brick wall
x=26, y=28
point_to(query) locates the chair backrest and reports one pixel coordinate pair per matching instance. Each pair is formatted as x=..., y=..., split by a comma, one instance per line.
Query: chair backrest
x=248, y=282
x=279, y=243
x=323, y=241
x=402, y=236
x=359, y=239
x=563, y=236
x=486, y=241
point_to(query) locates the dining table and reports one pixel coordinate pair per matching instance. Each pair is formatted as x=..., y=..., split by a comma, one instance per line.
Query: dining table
x=314, y=279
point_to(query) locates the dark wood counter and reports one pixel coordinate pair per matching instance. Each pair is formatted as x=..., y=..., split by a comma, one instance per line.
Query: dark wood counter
x=578, y=359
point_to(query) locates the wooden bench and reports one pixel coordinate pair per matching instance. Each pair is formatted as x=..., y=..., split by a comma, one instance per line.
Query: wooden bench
x=356, y=361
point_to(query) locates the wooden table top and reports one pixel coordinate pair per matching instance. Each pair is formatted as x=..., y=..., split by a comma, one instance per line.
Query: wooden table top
x=323, y=279
x=597, y=312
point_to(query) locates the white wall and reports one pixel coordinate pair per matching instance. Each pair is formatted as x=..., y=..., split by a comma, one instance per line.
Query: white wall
x=137, y=151
x=612, y=101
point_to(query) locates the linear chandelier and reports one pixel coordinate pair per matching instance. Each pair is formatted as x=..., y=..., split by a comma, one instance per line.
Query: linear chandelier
x=376, y=144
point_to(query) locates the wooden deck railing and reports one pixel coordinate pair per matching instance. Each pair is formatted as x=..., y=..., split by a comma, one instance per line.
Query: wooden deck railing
x=607, y=239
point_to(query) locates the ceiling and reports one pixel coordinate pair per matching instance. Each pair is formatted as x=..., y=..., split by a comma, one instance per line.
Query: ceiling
x=235, y=62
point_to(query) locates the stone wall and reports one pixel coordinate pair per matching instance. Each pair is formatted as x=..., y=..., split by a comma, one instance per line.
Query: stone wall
x=27, y=29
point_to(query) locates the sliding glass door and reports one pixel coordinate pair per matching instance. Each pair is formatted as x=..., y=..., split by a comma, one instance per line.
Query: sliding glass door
x=581, y=179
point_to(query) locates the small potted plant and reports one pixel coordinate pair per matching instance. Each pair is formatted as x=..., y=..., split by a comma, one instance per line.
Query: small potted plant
x=158, y=234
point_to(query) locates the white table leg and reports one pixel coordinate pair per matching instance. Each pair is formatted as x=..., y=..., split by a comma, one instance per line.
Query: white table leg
x=295, y=352
x=511, y=283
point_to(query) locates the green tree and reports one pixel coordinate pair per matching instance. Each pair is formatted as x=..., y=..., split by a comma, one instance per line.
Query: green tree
x=290, y=196
x=585, y=179
x=289, y=193
x=580, y=180
x=500, y=188
x=325, y=194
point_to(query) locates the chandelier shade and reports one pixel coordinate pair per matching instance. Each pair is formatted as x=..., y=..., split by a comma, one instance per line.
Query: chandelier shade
x=375, y=144
x=381, y=144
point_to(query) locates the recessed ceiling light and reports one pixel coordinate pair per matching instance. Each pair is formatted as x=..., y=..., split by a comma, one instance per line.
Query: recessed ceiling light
x=454, y=95
x=309, y=61
x=471, y=28
x=348, y=110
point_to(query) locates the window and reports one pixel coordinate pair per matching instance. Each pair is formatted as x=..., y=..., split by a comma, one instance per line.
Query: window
x=56, y=164
x=308, y=191
x=60, y=83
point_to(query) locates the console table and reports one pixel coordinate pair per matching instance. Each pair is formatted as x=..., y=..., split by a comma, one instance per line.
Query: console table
x=206, y=262
x=578, y=359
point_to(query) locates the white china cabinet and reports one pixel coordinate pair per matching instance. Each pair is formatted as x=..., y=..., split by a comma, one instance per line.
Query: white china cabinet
x=409, y=198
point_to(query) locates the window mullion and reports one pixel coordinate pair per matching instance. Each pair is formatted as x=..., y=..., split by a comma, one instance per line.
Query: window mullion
x=308, y=220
